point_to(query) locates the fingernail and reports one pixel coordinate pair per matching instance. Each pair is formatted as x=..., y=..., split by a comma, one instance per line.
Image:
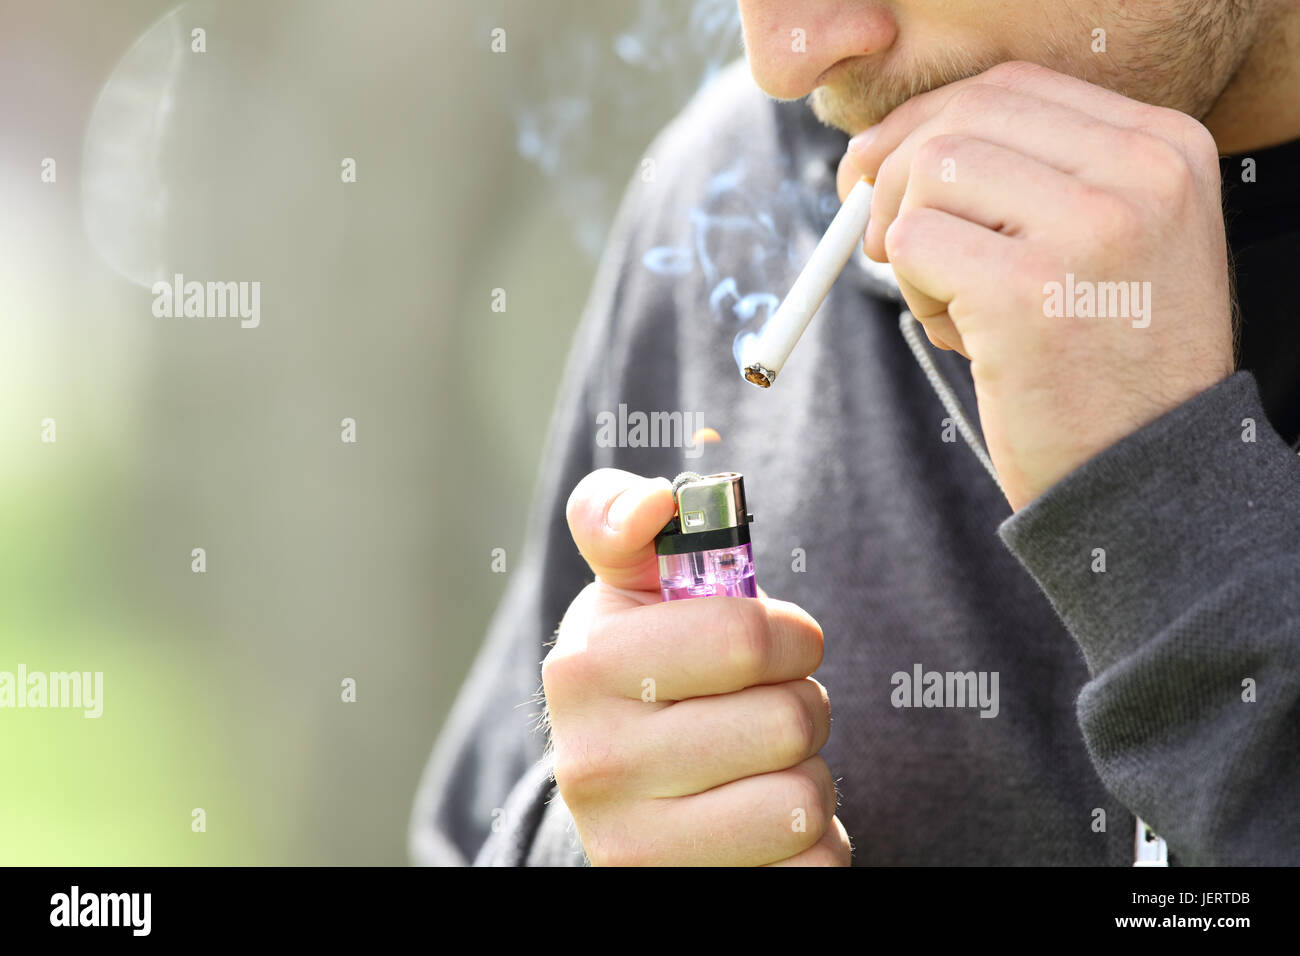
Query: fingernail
x=861, y=142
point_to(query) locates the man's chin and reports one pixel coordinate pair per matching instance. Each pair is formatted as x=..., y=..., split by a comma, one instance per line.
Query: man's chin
x=834, y=109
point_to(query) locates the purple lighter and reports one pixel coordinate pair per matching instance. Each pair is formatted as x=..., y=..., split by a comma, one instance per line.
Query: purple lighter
x=704, y=551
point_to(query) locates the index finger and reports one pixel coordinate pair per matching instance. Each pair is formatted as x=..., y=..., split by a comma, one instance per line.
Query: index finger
x=870, y=147
x=701, y=646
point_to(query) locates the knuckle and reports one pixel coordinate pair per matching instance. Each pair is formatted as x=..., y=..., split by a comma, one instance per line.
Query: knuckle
x=825, y=783
x=931, y=154
x=823, y=699
x=563, y=673
x=1086, y=198
x=890, y=169
x=802, y=629
x=791, y=730
x=815, y=634
x=576, y=621
x=900, y=235
x=555, y=674
x=602, y=630
x=1115, y=218
x=747, y=637
x=976, y=99
x=570, y=774
x=1168, y=174
x=1194, y=139
x=807, y=792
x=585, y=768
x=1201, y=146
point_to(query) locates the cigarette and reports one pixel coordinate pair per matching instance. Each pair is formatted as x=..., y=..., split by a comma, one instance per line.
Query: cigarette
x=777, y=339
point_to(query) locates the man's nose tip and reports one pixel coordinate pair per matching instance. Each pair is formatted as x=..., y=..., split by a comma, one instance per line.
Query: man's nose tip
x=795, y=47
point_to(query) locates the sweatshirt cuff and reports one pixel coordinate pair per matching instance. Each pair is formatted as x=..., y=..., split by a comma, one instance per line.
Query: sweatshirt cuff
x=1139, y=534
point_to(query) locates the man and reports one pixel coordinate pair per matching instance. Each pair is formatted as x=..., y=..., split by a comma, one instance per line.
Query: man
x=1124, y=599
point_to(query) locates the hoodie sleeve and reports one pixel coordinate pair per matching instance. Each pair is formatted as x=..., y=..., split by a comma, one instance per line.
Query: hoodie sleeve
x=1174, y=559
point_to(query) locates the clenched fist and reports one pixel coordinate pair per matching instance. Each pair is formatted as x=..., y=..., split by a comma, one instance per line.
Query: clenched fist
x=687, y=732
x=1069, y=241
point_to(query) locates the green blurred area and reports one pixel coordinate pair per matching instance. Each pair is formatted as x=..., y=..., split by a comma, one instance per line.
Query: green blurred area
x=326, y=561
x=112, y=789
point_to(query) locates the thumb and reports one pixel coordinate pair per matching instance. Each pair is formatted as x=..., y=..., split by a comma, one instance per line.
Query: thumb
x=614, y=516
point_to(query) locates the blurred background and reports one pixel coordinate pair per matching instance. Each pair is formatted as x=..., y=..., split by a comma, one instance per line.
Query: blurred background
x=326, y=560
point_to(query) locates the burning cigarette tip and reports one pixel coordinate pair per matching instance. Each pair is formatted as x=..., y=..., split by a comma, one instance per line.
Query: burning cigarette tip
x=766, y=355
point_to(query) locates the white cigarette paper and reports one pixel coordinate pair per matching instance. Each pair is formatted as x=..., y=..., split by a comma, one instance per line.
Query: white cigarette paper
x=765, y=356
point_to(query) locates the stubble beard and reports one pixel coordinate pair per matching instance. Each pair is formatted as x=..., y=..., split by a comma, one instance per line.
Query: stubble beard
x=1183, y=63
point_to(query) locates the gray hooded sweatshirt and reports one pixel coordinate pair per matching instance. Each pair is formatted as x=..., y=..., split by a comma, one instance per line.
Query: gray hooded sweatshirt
x=1165, y=687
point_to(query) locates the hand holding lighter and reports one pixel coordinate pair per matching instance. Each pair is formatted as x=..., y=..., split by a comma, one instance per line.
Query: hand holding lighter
x=705, y=551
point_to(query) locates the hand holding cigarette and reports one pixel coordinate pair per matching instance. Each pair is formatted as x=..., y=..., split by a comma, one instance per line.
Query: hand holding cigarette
x=684, y=732
x=1067, y=240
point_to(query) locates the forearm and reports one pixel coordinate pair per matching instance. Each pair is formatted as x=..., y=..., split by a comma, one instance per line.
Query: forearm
x=1174, y=560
